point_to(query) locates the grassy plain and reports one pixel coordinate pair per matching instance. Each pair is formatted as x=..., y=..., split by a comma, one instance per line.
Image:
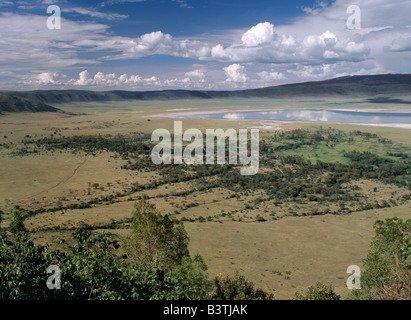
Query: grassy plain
x=281, y=246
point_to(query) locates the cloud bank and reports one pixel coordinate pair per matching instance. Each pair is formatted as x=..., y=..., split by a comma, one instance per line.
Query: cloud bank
x=315, y=46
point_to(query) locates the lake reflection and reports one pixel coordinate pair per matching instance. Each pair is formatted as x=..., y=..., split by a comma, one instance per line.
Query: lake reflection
x=305, y=115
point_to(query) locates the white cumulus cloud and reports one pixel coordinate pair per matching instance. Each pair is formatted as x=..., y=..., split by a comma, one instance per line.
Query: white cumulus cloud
x=235, y=73
x=260, y=34
x=271, y=76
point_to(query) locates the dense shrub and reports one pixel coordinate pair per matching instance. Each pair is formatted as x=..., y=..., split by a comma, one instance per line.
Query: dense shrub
x=238, y=287
x=319, y=291
x=387, y=267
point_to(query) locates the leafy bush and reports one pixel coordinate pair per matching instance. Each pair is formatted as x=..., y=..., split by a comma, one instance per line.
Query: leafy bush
x=91, y=268
x=17, y=224
x=154, y=238
x=319, y=291
x=387, y=268
x=238, y=288
x=22, y=269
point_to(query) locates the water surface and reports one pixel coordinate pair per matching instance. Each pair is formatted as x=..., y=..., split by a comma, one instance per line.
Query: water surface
x=305, y=115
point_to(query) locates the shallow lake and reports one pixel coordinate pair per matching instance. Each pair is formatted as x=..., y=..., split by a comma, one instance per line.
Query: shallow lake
x=305, y=115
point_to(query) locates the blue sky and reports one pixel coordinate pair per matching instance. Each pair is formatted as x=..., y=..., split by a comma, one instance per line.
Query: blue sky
x=198, y=44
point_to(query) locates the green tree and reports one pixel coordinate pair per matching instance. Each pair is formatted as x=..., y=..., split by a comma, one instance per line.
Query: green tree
x=22, y=269
x=190, y=278
x=90, y=269
x=387, y=268
x=154, y=239
x=319, y=291
x=17, y=223
x=238, y=287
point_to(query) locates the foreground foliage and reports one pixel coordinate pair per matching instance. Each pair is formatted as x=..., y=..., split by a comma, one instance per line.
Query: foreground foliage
x=387, y=268
x=319, y=291
x=238, y=288
x=154, y=238
x=93, y=268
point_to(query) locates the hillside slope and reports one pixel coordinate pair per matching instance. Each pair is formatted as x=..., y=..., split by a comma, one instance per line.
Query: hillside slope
x=368, y=86
x=12, y=103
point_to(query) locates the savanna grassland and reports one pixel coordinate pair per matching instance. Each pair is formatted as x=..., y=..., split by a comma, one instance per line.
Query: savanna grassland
x=306, y=216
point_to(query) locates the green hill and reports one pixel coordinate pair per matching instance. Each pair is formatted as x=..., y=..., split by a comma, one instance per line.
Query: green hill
x=12, y=103
x=375, y=88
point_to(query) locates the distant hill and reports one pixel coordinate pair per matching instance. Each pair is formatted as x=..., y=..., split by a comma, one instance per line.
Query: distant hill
x=12, y=103
x=66, y=96
x=351, y=86
x=367, y=87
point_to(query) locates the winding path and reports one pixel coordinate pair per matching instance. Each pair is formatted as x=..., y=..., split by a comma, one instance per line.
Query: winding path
x=61, y=182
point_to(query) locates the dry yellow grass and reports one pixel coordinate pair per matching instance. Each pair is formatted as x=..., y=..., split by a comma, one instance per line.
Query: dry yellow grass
x=291, y=253
x=285, y=255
